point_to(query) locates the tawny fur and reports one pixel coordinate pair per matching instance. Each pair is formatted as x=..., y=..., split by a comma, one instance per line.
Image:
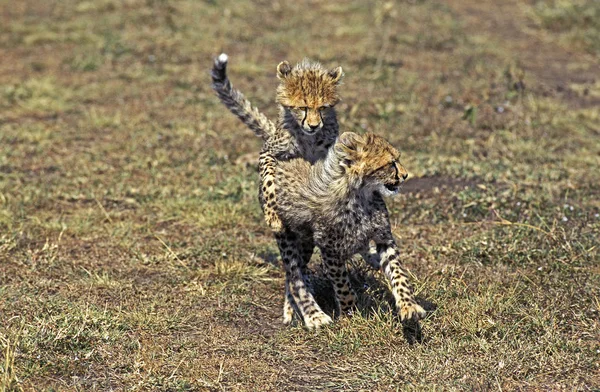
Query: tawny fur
x=307, y=125
x=237, y=103
x=336, y=204
x=306, y=128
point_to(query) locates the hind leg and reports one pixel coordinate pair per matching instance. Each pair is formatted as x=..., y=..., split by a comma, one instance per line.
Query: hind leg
x=299, y=292
x=288, y=309
x=338, y=275
x=306, y=248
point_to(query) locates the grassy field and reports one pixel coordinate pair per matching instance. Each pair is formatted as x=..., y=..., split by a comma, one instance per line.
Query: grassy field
x=133, y=253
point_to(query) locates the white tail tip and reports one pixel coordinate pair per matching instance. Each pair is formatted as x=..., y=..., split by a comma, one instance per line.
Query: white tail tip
x=223, y=58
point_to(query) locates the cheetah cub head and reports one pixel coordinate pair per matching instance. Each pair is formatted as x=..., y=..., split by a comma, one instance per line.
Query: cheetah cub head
x=371, y=162
x=308, y=93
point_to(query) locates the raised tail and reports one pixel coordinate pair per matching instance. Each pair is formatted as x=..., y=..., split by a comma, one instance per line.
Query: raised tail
x=237, y=103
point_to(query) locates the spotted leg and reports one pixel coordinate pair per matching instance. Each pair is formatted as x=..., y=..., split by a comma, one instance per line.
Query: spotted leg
x=338, y=275
x=371, y=256
x=299, y=293
x=370, y=252
x=288, y=309
x=306, y=250
x=266, y=167
x=401, y=288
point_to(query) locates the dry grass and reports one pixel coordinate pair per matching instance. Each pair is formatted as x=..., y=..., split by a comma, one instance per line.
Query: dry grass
x=133, y=254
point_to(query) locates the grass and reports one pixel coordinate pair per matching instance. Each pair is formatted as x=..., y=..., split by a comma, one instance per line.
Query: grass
x=577, y=22
x=133, y=253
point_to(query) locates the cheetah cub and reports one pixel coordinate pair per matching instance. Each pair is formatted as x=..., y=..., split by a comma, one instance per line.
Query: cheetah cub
x=336, y=204
x=307, y=124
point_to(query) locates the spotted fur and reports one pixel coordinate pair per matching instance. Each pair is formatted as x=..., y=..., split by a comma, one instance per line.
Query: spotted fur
x=337, y=205
x=237, y=103
x=307, y=124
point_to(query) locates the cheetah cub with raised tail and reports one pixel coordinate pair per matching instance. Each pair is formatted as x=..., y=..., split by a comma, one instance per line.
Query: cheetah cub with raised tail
x=307, y=124
x=336, y=204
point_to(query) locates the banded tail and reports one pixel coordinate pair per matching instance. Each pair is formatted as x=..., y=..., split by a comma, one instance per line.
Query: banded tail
x=237, y=103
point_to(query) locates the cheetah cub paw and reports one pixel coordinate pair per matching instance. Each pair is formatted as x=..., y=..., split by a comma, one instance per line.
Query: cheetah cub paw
x=288, y=314
x=412, y=312
x=317, y=320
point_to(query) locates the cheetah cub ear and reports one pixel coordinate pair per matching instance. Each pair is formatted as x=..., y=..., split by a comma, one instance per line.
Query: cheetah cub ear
x=336, y=74
x=283, y=70
x=351, y=141
x=349, y=146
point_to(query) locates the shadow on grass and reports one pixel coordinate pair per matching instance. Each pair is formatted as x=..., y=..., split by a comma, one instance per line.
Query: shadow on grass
x=412, y=329
x=373, y=299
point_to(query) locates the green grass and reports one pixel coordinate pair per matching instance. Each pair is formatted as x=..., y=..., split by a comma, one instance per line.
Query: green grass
x=576, y=22
x=133, y=253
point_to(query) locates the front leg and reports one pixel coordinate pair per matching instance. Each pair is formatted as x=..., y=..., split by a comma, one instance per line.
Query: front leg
x=401, y=288
x=338, y=275
x=371, y=256
x=266, y=167
x=382, y=219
